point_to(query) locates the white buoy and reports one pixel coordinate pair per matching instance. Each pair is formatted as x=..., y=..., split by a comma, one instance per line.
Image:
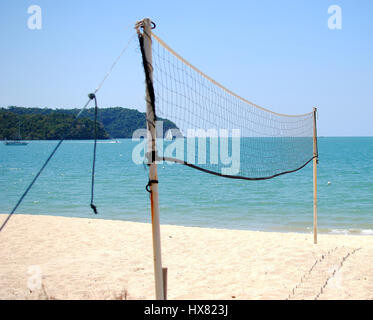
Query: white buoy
x=329, y=183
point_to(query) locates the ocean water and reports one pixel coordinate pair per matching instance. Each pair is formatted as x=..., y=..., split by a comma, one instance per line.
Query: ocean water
x=189, y=197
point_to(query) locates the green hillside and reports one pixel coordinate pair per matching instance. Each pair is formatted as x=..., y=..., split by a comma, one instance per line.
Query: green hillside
x=50, y=124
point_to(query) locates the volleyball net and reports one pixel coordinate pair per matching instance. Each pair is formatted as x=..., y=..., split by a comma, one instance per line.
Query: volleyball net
x=218, y=131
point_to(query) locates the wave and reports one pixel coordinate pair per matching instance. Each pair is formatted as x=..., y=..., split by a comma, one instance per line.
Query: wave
x=91, y=141
x=366, y=232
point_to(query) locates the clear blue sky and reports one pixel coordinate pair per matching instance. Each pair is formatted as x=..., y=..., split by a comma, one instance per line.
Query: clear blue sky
x=279, y=54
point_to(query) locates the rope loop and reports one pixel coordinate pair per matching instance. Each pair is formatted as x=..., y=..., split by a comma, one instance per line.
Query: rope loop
x=149, y=184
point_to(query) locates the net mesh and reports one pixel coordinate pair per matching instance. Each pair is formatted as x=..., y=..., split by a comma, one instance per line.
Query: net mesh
x=220, y=132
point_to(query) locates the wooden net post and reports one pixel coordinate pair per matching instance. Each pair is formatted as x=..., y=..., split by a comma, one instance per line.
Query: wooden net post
x=315, y=162
x=153, y=175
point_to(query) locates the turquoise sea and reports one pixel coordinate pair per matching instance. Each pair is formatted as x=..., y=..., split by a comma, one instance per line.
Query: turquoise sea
x=189, y=197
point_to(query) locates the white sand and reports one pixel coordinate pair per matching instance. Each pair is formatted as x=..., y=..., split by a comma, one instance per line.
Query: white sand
x=101, y=259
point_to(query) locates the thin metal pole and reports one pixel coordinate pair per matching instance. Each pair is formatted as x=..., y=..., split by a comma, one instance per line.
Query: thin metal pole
x=165, y=283
x=153, y=175
x=315, y=161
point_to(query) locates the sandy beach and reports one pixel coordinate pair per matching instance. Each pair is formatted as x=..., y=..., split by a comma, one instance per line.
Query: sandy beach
x=79, y=258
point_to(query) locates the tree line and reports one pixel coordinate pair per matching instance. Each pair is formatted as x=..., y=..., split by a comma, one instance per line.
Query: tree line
x=51, y=124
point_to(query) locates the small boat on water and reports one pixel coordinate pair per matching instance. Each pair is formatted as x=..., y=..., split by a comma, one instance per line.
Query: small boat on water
x=110, y=141
x=17, y=141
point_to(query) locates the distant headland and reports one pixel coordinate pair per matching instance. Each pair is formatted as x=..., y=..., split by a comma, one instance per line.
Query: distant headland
x=51, y=124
